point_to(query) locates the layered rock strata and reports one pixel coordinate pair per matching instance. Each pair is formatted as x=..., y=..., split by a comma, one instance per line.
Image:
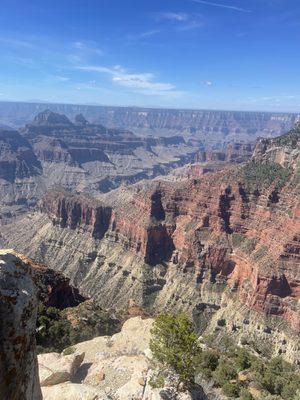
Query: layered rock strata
x=193, y=244
x=206, y=124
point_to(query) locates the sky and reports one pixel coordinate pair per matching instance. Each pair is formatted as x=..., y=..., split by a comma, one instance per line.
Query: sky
x=202, y=54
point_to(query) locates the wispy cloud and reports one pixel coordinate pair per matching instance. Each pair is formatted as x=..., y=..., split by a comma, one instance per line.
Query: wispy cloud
x=274, y=101
x=88, y=47
x=144, y=35
x=180, y=20
x=229, y=7
x=60, y=78
x=143, y=83
x=190, y=25
x=17, y=42
x=22, y=61
x=207, y=83
x=42, y=52
x=172, y=16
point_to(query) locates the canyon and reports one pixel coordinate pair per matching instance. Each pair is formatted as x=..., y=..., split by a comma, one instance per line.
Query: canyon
x=86, y=157
x=223, y=246
x=211, y=126
x=79, y=156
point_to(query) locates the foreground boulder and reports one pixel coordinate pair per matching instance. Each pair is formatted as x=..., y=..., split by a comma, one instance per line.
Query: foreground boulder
x=55, y=368
x=72, y=391
x=115, y=367
x=18, y=309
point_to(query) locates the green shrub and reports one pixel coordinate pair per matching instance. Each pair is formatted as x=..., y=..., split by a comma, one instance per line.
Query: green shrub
x=208, y=362
x=278, y=366
x=245, y=394
x=227, y=345
x=231, y=389
x=210, y=359
x=297, y=395
x=225, y=372
x=174, y=344
x=69, y=350
x=289, y=390
x=278, y=377
x=290, y=139
x=256, y=174
x=157, y=382
x=257, y=366
x=242, y=359
x=55, y=332
x=272, y=382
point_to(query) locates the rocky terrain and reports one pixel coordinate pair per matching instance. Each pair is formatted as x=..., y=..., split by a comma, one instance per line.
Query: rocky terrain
x=53, y=288
x=18, y=311
x=80, y=157
x=210, y=126
x=89, y=158
x=114, y=367
x=81, y=154
x=224, y=246
x=20, y=173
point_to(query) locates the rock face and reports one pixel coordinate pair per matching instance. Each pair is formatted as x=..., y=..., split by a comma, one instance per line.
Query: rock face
x=235, y=152
x=80, y=120
x=212, y=230
x=48, y=117
x=115, y=366
x=17, y=160
x=20, y=174
x=55, y=138
x=198, y=244
x=77, y=212
x=79, y=156
x=54, y=289
x=18, y=308
x=283, y=150
x=179, y=244
x=204, y=124
x=55, y=368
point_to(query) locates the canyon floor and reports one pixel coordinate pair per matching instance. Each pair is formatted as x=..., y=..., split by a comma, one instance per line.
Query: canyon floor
x=167, y=223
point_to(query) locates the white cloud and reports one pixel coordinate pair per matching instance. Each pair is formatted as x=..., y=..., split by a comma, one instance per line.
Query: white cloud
x=193, y=24
x=17, y=42
x=143, y=83
x=172, y=16
x=144, y=35
x=181, y=21
x=277, y=98
x=78, y=45
x=207, y=83
x=61, y=78
x=149, y=33
x=88, y=47
x=210, y=3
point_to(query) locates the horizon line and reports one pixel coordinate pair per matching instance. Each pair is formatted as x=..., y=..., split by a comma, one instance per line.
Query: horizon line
x=41, y=102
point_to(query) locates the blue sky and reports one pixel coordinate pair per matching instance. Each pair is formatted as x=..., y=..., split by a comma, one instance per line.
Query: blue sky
x=219, y=54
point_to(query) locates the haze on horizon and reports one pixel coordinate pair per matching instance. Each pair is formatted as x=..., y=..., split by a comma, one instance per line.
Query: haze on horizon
x=222, y=54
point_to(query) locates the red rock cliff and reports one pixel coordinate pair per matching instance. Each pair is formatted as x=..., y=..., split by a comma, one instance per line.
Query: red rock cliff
x=239, y=226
